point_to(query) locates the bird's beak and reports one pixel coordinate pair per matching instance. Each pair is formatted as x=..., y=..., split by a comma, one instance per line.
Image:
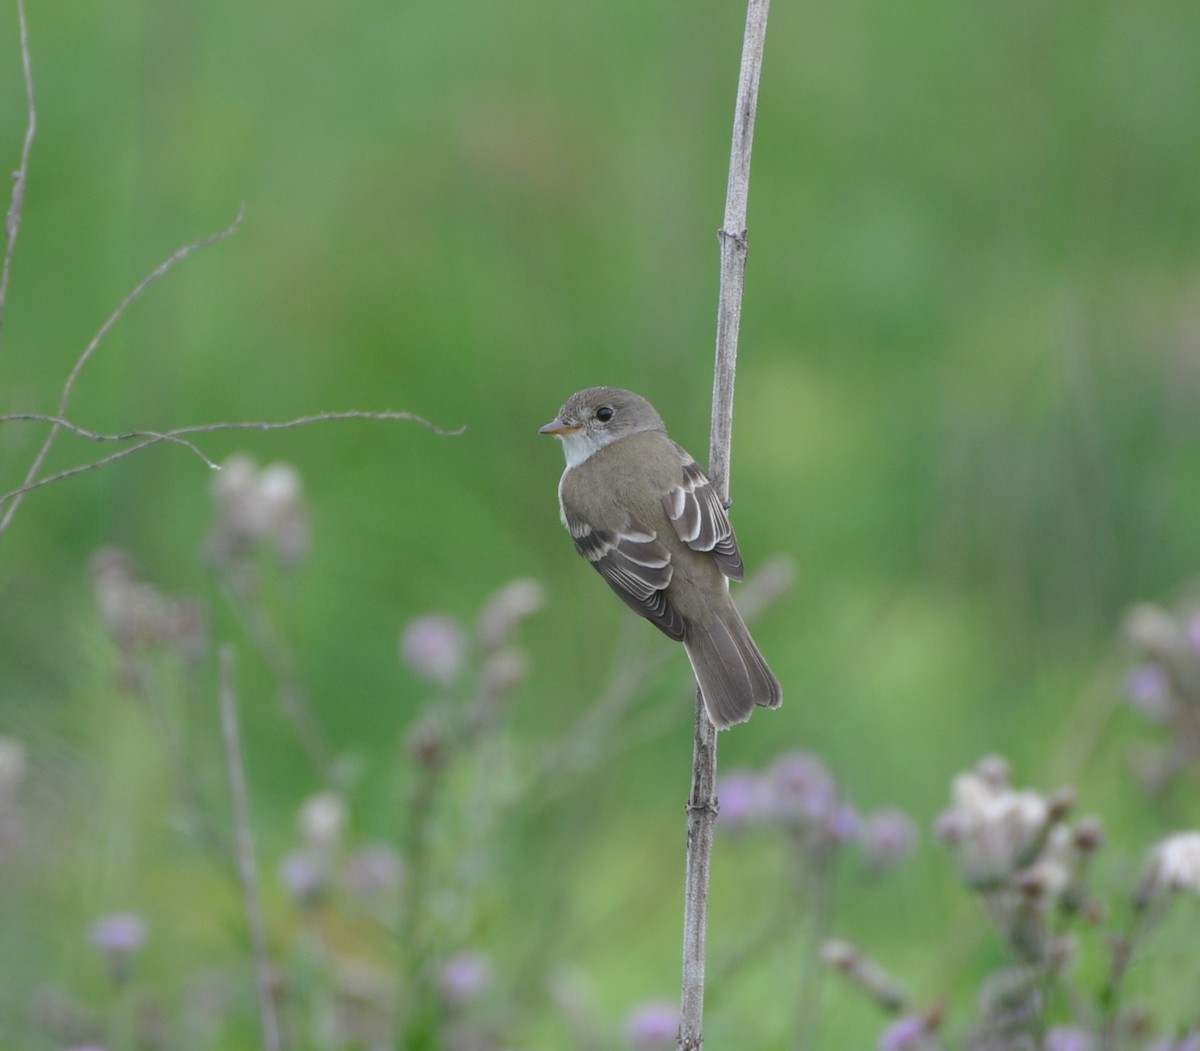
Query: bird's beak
x=558, y=427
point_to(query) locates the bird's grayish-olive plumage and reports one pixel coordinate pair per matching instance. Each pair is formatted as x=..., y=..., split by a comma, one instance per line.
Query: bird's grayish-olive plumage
x=644, y=514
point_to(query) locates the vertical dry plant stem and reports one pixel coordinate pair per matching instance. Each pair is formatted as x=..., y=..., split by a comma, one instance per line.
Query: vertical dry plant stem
x=12, y=222
x=244, y=850
x=702, y=801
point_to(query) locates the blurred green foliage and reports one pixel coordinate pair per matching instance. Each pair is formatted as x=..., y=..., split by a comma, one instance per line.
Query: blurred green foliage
x=967, y=403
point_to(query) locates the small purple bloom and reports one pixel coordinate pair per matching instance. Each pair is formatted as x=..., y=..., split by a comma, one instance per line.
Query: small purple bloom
x=435, y=647
x=887, y=836
x=653, y=1025
x=1068, y=1038
x=950, y=826
x=844, y=823
x=1149, y=691
x=374, y=871
x=304, y=876
x=121, y=934
x=1193, y=632
x=802, y=791
x=742, y=796
x=464, y=977
x=905, y=1034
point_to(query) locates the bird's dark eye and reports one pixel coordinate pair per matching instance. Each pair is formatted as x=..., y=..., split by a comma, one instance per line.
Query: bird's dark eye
x=604, y=414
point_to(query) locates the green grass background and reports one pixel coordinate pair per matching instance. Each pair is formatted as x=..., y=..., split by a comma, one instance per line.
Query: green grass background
x=966, y=408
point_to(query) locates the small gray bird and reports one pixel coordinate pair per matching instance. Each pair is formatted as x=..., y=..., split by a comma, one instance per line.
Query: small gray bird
x=644, y=514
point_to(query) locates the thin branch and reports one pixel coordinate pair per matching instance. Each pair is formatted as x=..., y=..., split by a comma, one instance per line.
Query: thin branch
x=320, y=417
x=146, y=439
x=244, y=850
x=64, y=424
x=159, y=271
x=12, y=224
x=734, y=245
x=702, y=800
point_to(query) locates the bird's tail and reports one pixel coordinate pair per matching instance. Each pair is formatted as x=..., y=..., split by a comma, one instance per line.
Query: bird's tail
x=731, y=671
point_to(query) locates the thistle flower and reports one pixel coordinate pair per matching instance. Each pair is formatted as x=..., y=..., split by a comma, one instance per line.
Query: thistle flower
x=1166, y=689
x=464, y=978
x=374, y=871
x=137, y=615
x=992, y=828
x=802, y=793
x=435, y=647
x=1068, y=1038
x=121, y=934
x=910, y=1033
x=743, y=799
x=1174, y=866
x=888, y=837
x=305, y=876
x=1148, y=689
x=653, y=1025
x=322, y=820
x=257, y=508
x=119, y=937
x=281, y=496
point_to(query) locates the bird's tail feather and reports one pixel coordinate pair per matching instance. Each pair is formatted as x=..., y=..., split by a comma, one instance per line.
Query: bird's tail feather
x=731, y=671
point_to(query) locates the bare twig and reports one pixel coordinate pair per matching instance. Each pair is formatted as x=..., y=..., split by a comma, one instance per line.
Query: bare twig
x=64, y=424
x=244, y=850
x=68, y=387
x=702, y=801
x=176, y=437
x=12, y=224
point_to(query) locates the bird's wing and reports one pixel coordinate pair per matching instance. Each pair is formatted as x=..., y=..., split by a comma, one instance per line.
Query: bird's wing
x=636, y=565
x=699, y=517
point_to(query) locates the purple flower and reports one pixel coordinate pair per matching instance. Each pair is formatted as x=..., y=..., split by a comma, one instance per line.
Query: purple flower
x=1149, y=691
x=304, y=875
x=887, y=836
x=121, y=934
x=435, y=647
x=743, y=798
x=464, y=977
x=1068, y=1038
x=653, y=1025
x=905, y=1034
x=119, y=937
x=801, y=789
x=374, y=871
x=1192, y=628
x=844, y=823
